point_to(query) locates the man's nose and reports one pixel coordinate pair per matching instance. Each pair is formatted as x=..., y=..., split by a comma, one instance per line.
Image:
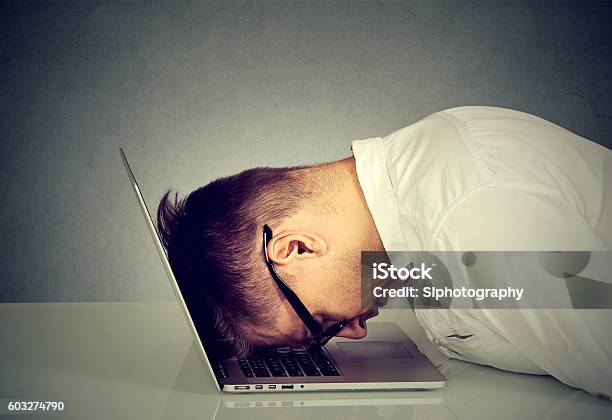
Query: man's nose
x=355, y=329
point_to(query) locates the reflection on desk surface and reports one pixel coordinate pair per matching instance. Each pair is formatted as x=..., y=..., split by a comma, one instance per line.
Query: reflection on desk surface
x=138, y=360
x=355, y=399
x=352, y=406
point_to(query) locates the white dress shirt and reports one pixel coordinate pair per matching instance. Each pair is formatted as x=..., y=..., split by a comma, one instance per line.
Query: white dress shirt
x=494, y=179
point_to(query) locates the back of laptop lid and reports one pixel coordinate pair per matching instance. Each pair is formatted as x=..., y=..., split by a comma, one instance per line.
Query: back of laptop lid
x=166, y=264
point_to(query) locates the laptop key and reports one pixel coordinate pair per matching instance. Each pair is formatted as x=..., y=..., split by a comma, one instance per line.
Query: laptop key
x=312, y=372
x=295, y=372
x=278, y=372
x=326, y=367
x=259, y=367
x=262, y=373
x=275, y=366
x=244, y=366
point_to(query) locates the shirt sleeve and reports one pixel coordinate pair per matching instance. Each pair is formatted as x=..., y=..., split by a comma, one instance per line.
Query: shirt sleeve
x=575, y=346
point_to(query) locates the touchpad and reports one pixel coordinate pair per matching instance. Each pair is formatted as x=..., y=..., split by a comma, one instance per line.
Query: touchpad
x=377, y=349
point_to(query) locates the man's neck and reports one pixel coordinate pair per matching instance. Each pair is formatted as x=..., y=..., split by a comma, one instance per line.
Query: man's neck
x=353, y=211
x=337, y=209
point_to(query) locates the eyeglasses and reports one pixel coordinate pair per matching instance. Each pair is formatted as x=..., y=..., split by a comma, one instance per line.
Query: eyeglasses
x=320, y=336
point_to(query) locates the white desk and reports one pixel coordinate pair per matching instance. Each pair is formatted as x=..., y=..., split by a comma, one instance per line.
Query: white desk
x=138, y=361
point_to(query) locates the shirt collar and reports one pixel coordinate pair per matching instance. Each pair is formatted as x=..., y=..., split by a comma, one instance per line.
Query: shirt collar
x=371, y=167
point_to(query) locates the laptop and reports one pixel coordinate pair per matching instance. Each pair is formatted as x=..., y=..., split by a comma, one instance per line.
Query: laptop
x=385, y=360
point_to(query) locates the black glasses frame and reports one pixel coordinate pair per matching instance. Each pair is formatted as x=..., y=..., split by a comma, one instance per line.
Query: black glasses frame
x=320, y=336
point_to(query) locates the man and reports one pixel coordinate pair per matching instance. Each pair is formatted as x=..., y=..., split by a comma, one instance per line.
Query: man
x=467, y=178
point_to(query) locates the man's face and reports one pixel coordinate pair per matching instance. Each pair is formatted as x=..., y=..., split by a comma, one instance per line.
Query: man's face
x=330, y=290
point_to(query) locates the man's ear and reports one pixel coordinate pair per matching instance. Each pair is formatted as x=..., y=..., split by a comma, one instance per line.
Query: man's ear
x=292, y=245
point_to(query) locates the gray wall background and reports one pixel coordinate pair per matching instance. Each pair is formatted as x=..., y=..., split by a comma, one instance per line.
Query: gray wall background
x=194, y=91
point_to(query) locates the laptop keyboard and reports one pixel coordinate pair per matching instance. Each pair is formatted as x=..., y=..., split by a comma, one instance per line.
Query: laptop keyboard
x=287, y=361
x=219, y=369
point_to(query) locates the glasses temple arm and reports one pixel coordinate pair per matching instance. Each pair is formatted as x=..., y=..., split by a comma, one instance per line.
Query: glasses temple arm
x=313, y=326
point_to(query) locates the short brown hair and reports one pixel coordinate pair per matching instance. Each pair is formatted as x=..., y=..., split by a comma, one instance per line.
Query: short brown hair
x=213, y=239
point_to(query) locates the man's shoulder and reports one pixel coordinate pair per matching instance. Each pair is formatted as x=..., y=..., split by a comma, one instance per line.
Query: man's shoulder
x=439, y=160
x=431, y=165
x=474, y=112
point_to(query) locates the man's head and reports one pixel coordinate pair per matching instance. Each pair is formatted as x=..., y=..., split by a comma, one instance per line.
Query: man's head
x=214, y=243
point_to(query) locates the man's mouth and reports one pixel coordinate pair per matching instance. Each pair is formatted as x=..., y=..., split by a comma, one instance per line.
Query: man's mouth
x=367, y=315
